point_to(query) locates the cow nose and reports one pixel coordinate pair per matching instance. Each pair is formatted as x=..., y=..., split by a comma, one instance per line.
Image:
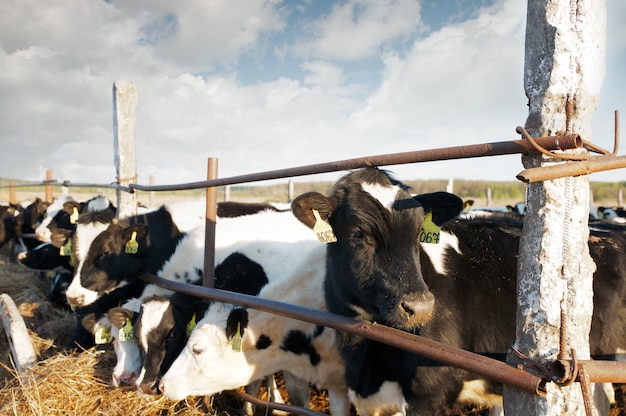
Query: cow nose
x=78, y=300
x=418, y=309
x=148, y=388
x=126, y=379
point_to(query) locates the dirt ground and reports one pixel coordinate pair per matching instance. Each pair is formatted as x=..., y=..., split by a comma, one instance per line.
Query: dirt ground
x=82, y=384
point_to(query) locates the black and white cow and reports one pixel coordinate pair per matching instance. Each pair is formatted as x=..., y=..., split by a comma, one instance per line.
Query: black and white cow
x=103, y=261
x=212, y=361
x=470, y=275
x=16, y=229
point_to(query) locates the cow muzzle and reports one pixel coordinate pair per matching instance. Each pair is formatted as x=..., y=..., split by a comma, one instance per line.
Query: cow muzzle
x=415, y=309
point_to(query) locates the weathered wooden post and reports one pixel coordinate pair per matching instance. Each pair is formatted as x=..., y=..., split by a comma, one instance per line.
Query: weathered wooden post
x=210, y=222
x=48, y=187
x=563, y=73
x=125, y=100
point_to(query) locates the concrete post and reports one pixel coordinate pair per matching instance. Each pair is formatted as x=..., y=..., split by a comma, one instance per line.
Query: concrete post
x=125, y=100
x=563, y=73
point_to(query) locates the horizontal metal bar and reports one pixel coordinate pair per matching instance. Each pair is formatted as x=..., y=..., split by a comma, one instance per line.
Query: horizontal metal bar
x=572, y=168
x=460, y=152
x=273, y=405
x=605, y=371
x=445, y=354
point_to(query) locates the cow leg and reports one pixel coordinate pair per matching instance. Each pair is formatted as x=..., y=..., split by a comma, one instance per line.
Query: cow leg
x=297, y=389
x=253, y=390
x=338, y=402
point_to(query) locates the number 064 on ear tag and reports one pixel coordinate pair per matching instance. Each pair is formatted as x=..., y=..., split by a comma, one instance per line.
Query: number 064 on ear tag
x=430, y=233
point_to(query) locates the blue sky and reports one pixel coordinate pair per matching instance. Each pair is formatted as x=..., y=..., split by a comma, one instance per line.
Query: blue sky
x=264, y=85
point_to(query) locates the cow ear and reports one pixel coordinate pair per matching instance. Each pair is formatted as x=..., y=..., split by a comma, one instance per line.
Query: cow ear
x=134, y=236
x=304, y=205
x=443, y=205
x=118, y=316
x=89, y=322
x=236, y=323
x=59, y=237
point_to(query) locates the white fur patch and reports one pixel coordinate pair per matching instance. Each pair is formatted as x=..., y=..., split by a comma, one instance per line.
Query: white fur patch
x=437, y=252
x=389, y=399
x=386, y=195
x=99, y=203
x=475, y=393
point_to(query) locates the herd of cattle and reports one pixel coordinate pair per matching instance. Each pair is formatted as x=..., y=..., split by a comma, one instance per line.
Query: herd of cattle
x=368, y=250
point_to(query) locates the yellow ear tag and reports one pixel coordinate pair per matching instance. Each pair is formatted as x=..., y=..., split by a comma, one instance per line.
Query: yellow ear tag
x=430, y=231
x=190, y=325
x=132, y=246
x=323, y=229
x=66, y=249
x=126, y=332
x=103, y=335
x=72, y=260
x=237, y=339
x=74, y=216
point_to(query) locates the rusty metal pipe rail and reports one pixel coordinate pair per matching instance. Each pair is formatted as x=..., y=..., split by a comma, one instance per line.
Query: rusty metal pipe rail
x=273, y=405
x=445, y=354
x=563, y=142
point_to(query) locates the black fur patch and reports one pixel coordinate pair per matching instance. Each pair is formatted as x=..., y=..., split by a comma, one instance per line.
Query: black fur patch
x=263, y=342
x=297, y=342
x=237, y=316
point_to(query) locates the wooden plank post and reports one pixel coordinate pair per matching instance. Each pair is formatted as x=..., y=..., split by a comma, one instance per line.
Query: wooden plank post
x=125, y=101
x=48, y=186
x=563, y=73
x=210, y=222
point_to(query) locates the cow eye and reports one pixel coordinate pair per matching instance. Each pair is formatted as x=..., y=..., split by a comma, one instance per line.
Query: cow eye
x=171, y=335
x=197, y=349
x=357, y=234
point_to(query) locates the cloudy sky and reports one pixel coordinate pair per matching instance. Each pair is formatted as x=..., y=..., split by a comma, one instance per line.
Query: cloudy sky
x=271, y=84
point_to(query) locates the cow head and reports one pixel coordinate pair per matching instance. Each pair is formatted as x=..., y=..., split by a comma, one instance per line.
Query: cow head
x=109, y=258
x=108, y=262
x=62, y=213
x=125, y=344
x=373, y=267
x=163, y=327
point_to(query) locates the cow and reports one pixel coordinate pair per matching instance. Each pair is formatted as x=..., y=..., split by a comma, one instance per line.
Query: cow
x=243, y=268
x=17, y=228
x=233, y=346
x=46, y=257
x=104, y=262
x=375, y=224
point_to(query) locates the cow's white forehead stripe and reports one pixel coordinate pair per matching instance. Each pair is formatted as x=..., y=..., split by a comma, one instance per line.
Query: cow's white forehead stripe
x=151, y=317
x=385, y=194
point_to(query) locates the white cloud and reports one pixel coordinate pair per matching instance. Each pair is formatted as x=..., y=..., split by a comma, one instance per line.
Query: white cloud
x=459, y=85
x=356, y=29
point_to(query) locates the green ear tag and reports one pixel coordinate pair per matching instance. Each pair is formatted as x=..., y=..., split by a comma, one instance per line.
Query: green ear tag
x=190, y=325
x=72, y=260
x=66, y=249
x=323, y=229
x=103, y=335
x=237, y=339
x=126, y=332
x=74, y=216
x=132, y=245
x=430, y=231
